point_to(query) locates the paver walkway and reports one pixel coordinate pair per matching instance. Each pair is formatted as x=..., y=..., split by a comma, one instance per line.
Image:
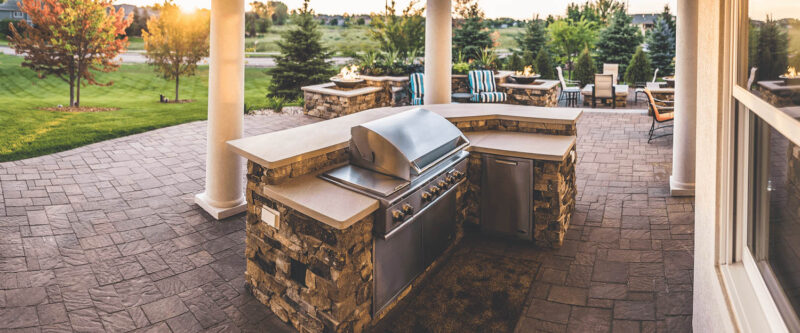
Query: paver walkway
x=106, y=238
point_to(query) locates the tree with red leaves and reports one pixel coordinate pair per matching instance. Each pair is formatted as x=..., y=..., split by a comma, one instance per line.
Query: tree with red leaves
x=70, y=39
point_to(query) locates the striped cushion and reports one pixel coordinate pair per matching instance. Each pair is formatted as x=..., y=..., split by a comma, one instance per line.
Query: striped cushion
x=416, y=101
x=489, y=97
x=416, y=86
x=481, y=81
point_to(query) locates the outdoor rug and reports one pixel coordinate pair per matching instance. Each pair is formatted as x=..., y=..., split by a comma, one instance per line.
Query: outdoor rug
x=478, y=289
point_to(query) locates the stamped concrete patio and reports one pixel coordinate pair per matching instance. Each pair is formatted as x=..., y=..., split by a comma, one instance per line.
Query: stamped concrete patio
x=107, y=238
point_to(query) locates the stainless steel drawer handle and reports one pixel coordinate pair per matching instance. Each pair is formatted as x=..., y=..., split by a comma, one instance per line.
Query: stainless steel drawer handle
x=506, y=162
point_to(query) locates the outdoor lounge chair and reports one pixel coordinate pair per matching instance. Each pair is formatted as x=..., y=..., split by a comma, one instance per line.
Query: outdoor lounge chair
x=612, y=69
x=661, y=114
x=416, y=87
x=483, y=88
x=640, y=87
x=569, y=88
x=604, y=88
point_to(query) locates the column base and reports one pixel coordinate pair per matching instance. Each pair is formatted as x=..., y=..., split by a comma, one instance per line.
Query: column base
x=219, y=213
x=678, y=189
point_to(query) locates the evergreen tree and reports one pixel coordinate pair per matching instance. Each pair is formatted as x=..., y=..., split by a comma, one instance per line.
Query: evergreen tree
x=302, y=59
x=772, y=55
x=667, y=17
x=661, y=45
x=472, y=36
x=533, y=38
x=617, y=43
x=639, y=69
x=584, y=68
x=544, y=65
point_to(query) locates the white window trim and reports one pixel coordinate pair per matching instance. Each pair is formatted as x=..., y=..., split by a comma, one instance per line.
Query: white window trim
x=752, y=304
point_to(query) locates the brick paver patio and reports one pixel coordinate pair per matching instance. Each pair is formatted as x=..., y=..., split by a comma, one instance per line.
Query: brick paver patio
x=106, y=238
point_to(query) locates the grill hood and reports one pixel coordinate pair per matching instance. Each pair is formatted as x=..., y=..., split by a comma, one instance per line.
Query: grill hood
x=405, y=144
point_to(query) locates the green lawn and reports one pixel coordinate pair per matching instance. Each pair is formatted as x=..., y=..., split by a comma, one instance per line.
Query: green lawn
x=29, y=131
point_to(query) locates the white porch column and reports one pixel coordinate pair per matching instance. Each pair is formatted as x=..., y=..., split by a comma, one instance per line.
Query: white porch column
x=681, y=182
x=223, y=196
x=438, y=52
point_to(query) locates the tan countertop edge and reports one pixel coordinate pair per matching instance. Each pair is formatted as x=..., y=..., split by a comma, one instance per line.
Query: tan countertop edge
x=322, y=200
x=535, y=146
x=546, y=85
x=317, y=139
x=325, y=88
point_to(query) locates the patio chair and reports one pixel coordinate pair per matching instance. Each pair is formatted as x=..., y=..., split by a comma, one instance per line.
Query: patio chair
x=569, y=88
x=612, y=69
x=604, y=88
x=752, y=77
x=483, y=88
x=641, y=85
x=416, y=87
x=661, y=114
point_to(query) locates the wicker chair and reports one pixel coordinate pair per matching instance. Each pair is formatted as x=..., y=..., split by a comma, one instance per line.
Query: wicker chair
x=661, y=114
x=416, y=87
x=604, y=88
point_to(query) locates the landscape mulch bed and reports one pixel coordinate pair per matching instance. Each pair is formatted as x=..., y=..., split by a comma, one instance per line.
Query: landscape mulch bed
x=479, y=289
x=79, y=109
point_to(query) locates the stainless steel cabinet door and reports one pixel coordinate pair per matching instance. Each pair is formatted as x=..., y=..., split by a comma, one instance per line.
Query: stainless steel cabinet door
x=398, y=260
x=439, y=225
x=506, y=190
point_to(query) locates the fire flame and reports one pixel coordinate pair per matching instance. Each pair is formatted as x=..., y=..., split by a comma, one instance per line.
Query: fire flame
x=527, y=72
x=349, y=73
x=792, y=73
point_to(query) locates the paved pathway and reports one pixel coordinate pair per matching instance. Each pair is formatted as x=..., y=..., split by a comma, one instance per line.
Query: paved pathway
x=106, y=237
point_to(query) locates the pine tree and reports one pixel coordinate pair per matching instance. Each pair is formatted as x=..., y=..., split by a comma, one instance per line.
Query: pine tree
x=617, y=43
x=533, y=38
x=472, y=36
x=302, y=59
x=772, y=55
x=639, y=69
x=584, y=68
x=544, y=64
x=669, y=19
x=661, y=46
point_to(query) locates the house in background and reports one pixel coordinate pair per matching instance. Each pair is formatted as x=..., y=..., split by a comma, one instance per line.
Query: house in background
x=644, y=21
x=9, y=10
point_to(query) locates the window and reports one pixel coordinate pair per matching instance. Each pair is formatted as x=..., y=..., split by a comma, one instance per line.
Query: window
x=18, y=14
x=766, y=232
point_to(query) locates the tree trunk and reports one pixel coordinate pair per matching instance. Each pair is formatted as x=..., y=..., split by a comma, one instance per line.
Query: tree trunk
x=177, y=83
x=71, y=91
x=78, y=92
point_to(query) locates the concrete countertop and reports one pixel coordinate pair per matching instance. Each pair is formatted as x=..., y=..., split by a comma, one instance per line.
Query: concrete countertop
x=778, y=86
x=537, y=85
x=281, y=148
x=323, y=201
x=329, y=89
x=534, y=146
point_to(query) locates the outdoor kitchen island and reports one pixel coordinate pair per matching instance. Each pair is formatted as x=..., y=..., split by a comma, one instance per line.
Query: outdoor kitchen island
x=319, y=254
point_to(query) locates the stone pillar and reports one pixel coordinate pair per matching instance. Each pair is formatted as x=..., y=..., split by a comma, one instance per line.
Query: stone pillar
x=438, y=52
x=681, y=182
x=224, y=192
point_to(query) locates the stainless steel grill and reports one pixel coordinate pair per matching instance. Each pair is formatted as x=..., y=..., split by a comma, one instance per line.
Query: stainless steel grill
x=411, y=163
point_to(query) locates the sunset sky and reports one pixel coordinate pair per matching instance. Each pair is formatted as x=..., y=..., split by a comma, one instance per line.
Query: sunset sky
x=497, y=8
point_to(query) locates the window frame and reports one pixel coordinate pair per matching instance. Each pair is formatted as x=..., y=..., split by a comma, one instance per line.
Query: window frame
x=753, y=304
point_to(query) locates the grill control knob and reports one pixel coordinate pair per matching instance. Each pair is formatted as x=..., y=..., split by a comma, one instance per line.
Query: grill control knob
x=442, y=184
x=458, y=174
x=434, y=190
x=426, y=196
x=408, y=209
x=450, y=179
x=397, y=215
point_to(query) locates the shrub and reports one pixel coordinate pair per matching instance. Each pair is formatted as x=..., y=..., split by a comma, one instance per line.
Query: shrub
x=544, y=65
x=276, y=103
x=486, y=59
x=584, y=68
x=461, y=68
x=514, y=62
x=639, y=69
